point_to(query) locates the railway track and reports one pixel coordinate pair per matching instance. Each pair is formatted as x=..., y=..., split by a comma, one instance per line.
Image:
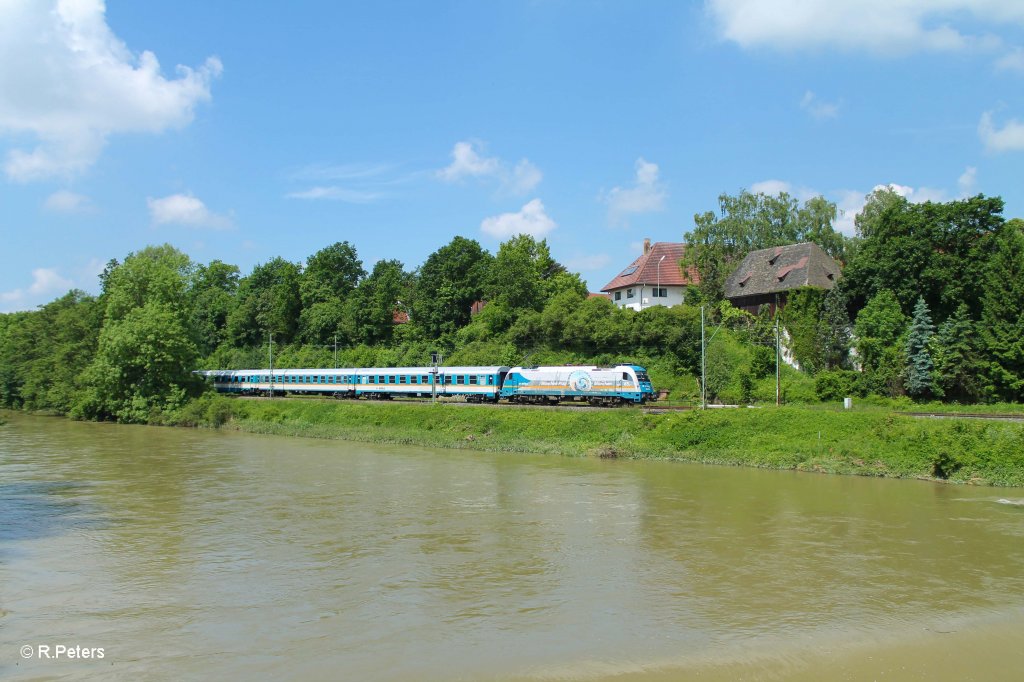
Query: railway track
x=965, y=415
x=649, y=409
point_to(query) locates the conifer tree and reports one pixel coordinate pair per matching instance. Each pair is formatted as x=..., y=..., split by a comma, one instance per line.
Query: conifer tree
x=919, y=381
x=958, y=366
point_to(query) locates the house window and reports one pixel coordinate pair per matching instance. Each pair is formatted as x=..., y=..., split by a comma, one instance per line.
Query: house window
x=618, y=295
x=629, y=293
x=659, y=293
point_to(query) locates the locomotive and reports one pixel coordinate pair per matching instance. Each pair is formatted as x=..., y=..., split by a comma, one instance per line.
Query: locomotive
x=614, y=385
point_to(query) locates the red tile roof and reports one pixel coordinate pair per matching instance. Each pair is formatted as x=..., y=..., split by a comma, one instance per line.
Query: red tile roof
x=593, y=295
x=399, y=317
x=645, y=270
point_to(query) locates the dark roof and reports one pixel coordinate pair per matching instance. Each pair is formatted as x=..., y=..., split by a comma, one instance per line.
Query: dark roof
x=781, y=268
x=645, y=270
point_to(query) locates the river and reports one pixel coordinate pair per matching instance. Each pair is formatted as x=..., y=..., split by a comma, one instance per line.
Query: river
x=195, y=554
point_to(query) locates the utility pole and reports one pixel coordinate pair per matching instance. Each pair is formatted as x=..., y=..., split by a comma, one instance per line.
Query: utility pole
x=778, y=355
x=270, y=348
x=335, y=350
x=703, y=375
x=435, y=360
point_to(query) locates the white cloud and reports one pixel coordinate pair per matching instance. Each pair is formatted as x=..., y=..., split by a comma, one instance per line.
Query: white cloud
x=1006, y=139
x=879, y=26
x=771, y=187
x=818, y=108
x=68, y=82
x=647, y=193
x=588, y=263
x=468, y=161
x=915, y=195
x=185, y=209
x=63, y=201
x=967, y=181
x=1012, y=60
x=336, y=193
x=525, y=176
x=530, y=219
x=45, y=282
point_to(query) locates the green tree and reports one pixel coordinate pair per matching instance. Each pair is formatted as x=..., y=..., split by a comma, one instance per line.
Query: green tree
x=142, y=367
x=146, y=350
x=268, y=301
x=330, y=277
x=517, y=278
x=449, y=282
x=1002, y=322
x=212, y=290
x=919, y=378
x=878, y=327
x=371, y=309
x=934, y=250
x=955, y=352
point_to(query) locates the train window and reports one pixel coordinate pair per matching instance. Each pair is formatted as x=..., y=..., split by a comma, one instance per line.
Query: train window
x=625, y=376
x=323, y=379
x=401, y=379
x=460, y=379
x=391, y=379
x=473, y=379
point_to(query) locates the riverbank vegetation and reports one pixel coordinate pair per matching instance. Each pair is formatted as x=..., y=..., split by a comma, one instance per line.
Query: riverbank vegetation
x=862, y=442
x=927, y=312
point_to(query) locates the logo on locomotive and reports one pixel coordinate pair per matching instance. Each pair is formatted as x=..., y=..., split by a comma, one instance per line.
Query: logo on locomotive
x=580, y=380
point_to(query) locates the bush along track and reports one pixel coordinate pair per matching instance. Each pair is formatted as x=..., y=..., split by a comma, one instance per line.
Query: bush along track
x=870, y=443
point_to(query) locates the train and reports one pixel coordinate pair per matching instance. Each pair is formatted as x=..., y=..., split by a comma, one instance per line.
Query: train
x=620, y=384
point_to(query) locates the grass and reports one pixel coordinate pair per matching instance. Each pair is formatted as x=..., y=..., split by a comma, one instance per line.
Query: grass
x=874, y=441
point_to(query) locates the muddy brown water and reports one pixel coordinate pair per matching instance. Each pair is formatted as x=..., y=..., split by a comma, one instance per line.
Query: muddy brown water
x=191, y=554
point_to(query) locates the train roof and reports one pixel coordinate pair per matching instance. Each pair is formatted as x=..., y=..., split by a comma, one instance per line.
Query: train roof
x=356, y=370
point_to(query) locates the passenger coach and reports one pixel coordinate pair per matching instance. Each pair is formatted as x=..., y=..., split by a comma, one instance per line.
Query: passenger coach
x=476, y=384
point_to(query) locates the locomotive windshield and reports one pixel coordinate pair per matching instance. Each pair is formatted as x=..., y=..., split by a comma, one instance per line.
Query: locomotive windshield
x=642, y=376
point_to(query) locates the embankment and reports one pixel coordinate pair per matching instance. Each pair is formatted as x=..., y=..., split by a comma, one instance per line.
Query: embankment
x=871, y=443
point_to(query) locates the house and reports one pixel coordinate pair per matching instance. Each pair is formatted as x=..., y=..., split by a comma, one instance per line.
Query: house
x=655, y=278
x=766, y=276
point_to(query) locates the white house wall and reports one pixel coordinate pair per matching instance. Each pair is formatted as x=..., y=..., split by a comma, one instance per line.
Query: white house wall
x=642, y=297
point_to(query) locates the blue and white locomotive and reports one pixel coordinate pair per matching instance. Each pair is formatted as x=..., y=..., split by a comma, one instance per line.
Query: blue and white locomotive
x=595, y=385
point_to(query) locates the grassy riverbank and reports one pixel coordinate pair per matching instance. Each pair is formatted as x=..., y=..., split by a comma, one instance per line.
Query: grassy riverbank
x=870, y=442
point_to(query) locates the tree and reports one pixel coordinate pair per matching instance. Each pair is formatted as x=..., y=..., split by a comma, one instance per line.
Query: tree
x=146, y=350
x=143, y=366
x=330, y=277
x=372, y=308
x=958, y=366
x=919, y=380
x=519, y=273
x=1002, y=322
x=449, y=282
x=879, y=326
x=268, y=301
x=933, y=250
x=212, y=291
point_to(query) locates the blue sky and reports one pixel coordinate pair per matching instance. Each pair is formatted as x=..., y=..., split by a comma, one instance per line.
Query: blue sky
x=241, y=131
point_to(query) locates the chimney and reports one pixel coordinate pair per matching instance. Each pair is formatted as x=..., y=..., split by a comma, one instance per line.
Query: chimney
x=647, y=245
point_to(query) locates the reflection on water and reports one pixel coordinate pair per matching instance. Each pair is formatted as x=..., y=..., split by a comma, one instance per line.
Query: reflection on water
x=202, y=554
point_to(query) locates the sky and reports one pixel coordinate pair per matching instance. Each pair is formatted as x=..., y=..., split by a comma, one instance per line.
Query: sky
x=242, y=131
